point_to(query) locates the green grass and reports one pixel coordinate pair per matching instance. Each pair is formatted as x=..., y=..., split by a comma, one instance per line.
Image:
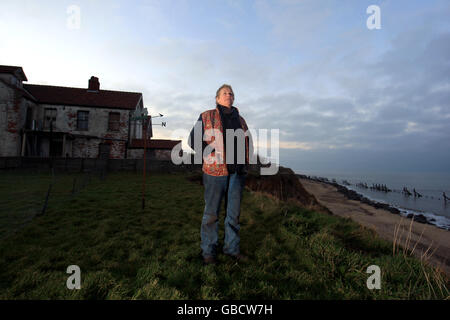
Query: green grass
x=126, y=253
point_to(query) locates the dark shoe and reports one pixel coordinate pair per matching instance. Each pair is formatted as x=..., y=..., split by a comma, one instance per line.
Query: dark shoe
x=238, y=257
x=209, y=260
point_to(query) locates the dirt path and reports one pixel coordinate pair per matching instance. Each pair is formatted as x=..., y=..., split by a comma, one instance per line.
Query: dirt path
x=385, y=224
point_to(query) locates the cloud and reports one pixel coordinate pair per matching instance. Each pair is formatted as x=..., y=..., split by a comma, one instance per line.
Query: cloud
x=309, y=68
x=295, y=22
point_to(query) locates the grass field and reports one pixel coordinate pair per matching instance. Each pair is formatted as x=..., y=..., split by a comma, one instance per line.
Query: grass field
x=126, y=253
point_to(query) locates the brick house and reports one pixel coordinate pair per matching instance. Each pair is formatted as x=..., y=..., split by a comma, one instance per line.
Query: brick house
x=44, y=121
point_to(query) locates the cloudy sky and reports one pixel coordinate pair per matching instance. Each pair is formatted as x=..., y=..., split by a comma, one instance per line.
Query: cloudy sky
x=345, y=98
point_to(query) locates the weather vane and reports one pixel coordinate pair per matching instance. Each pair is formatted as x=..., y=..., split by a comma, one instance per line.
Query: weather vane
x=142, y=115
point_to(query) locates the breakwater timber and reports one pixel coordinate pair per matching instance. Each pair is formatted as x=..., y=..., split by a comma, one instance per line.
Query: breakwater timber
x=353, y=195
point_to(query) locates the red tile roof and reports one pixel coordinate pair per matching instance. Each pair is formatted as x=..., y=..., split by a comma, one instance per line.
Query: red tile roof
x=17, y=71
x=83, y=97
x=154, y=143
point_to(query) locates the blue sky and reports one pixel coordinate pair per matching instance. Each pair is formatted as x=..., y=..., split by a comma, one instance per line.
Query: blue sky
x=345, y=98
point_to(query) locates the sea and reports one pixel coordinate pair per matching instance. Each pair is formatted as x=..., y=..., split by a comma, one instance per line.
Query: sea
x=430, y=186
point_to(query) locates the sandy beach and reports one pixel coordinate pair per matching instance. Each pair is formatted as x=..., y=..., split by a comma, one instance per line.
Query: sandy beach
x=431, y=243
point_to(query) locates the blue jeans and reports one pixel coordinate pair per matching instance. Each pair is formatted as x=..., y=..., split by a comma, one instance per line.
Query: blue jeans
x=216, y=188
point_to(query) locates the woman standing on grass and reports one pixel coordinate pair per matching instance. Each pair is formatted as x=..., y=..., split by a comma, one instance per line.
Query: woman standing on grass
x=223, y=177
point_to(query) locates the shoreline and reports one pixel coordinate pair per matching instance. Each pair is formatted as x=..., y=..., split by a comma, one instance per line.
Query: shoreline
x=353, y=195
x=385, y=220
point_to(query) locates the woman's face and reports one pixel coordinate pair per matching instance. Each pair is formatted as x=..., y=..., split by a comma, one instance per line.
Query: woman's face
x=225, y=98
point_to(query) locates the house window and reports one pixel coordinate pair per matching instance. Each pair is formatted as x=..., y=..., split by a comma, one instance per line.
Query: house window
x=3, y=114
x=82, y=120
x=49, y=117
x=113, y=122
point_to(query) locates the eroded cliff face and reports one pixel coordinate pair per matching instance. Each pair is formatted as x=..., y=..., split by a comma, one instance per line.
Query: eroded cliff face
x=284, y=186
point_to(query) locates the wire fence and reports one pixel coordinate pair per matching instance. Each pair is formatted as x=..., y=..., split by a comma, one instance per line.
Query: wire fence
x=29, y=187
x=27, y=194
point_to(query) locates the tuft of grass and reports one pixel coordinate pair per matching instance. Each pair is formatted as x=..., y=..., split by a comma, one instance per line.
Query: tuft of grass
x=125, y=252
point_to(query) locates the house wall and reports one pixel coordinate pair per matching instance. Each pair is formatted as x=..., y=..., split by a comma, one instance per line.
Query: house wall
x=13, y=107
x=157, y=154
x=13, y=115
x=66, y=121
x=135, y=153
x=162, y=154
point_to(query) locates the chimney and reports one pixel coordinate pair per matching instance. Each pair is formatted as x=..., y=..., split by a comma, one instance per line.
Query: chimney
x=94, y=85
